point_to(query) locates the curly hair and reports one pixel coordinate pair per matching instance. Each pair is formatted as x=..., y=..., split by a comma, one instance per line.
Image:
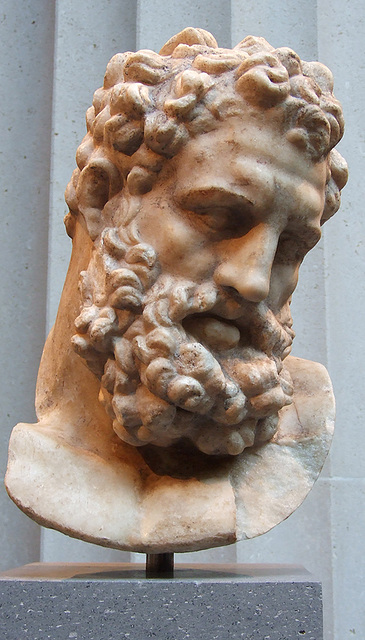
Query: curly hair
x=151, y=104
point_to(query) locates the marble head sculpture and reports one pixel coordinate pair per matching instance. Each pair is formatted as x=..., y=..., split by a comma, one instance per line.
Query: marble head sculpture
x=171, y=416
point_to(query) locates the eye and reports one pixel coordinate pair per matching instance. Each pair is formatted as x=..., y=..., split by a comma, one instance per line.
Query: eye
x=292, y=247
x=215, y=218
x=224, y=221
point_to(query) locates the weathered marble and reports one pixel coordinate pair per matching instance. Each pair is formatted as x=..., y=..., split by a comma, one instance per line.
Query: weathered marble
x=171, y=415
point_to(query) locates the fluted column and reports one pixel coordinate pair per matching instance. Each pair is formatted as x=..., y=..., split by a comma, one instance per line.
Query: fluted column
x=26, y=54
x=341, y=46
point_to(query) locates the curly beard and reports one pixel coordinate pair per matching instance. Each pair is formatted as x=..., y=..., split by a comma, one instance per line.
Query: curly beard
x=178, y=359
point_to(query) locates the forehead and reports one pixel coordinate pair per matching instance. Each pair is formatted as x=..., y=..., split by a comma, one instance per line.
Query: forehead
x=248, y=153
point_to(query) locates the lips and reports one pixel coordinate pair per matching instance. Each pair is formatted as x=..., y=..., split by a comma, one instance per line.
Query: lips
x=212, y=331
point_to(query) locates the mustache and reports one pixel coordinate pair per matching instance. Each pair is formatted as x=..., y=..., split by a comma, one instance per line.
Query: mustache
x=258, y=322
x=255, y=320
x=167, y=304
x=266, y=331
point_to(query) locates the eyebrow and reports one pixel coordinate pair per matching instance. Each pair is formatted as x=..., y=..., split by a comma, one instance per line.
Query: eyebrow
x=202, y=197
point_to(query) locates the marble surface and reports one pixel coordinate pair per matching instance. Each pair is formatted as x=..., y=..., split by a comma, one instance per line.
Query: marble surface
x=190, y=426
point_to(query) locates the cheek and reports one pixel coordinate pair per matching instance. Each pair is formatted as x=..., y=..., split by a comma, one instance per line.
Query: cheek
x=284, y=279
x=181, y=249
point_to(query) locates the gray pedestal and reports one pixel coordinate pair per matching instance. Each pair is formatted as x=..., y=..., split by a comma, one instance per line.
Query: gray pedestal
x=201, y=602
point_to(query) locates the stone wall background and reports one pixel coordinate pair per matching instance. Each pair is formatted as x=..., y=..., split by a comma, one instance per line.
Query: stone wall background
x=53, y=56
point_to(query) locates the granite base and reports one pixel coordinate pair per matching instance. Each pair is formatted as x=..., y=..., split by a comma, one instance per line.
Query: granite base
x=201, y=602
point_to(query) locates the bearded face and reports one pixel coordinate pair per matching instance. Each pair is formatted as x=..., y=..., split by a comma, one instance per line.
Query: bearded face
x=185, y=314
x=193, y=364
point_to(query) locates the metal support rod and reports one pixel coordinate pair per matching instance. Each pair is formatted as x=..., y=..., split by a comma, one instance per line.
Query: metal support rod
x=159, y=565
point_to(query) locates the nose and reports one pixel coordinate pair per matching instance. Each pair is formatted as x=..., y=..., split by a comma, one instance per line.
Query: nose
x=245, y=263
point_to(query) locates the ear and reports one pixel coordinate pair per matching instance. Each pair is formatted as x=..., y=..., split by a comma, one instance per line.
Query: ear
x=98, y=182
